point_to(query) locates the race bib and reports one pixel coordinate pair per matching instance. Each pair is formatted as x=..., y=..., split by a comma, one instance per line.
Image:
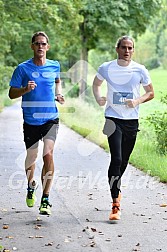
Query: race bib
x=120, y=97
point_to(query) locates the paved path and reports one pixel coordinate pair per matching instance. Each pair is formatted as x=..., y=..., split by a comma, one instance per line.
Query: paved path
x=80, y=198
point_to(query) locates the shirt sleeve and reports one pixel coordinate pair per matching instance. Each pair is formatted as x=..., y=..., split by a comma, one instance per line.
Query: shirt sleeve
x=145, y=77
x=100, y=74
x=17, y=78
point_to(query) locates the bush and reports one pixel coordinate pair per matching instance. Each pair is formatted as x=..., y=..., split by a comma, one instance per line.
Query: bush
x=152, y=63
x=159, y=121
x=5, y=76
x=74, y=91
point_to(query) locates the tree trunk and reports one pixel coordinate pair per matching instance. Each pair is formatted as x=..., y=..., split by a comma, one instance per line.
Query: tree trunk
x=84, y=62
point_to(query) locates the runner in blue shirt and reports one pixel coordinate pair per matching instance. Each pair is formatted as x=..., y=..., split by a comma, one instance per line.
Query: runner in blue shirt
x=37, y=81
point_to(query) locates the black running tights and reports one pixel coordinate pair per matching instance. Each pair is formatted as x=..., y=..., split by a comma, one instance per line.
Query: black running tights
x=121, y=145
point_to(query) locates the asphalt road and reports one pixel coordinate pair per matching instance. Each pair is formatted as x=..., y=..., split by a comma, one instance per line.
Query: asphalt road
x=80, y=198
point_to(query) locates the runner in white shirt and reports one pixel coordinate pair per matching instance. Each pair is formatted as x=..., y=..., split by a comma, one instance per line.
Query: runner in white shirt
x=124, y=78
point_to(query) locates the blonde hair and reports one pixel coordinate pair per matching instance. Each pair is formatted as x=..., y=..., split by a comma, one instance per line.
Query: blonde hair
x=126, y=37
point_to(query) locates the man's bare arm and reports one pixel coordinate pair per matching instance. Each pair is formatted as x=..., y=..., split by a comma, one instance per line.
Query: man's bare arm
x=18, y=92
x=59, y=96
x=101, y=100
x=147, y=96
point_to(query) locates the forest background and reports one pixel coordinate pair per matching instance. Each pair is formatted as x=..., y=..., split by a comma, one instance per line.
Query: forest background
x=82, y=36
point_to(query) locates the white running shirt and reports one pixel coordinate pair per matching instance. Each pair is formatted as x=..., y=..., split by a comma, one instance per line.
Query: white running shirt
x=123, y=82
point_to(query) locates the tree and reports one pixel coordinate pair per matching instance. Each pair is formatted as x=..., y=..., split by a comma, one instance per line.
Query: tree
x=74, y=27
x=106, y=19
x=59, y=18
x=159, y=27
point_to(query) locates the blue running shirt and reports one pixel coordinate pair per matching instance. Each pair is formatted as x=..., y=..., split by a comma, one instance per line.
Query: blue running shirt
x=39, y=104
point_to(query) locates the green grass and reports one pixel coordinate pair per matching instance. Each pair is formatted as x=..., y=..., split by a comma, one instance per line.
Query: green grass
x=88, y=120
x=159, y=77
x=145, y=156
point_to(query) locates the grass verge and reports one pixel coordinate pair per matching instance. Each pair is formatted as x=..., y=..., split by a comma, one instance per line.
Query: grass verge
x=88, y=121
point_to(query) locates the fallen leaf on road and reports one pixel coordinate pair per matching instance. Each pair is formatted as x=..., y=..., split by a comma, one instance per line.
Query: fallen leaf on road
x=96, y=209
x=58, y=246
x=49, y=244
x=38, y=236
x=67, y=240
x=37, y=227
x=84, y=245
x=90, y=198
x=138, y=248
x=163, y=205
x=93, y=229
x=5, y=227
x=3, y=210
x=92, y=244
x=108, y=239
x=91, y=236
x=1, y=247
x=85, y=229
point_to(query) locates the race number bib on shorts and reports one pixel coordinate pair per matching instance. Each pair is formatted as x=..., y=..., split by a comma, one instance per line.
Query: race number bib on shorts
x=120, y=97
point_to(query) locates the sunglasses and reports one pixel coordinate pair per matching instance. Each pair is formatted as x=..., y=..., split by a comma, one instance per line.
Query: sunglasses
x=40, y=44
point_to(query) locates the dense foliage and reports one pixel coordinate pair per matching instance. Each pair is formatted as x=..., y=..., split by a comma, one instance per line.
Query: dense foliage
x=74, y=27
x=159, y=121
x=5, y=73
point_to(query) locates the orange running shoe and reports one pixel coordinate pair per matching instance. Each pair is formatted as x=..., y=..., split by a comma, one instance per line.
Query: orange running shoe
x=116, y=212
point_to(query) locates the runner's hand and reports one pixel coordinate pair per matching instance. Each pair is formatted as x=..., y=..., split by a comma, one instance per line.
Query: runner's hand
x=30, y=86
x=101, y=100
x=60, y=98
x=130, y=103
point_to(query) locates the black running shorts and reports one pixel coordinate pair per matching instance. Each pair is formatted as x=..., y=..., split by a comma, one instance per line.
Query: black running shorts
x=34, y=133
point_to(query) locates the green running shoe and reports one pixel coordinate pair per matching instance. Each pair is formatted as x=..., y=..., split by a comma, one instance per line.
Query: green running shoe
x=31, y=197
x=45, y=207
